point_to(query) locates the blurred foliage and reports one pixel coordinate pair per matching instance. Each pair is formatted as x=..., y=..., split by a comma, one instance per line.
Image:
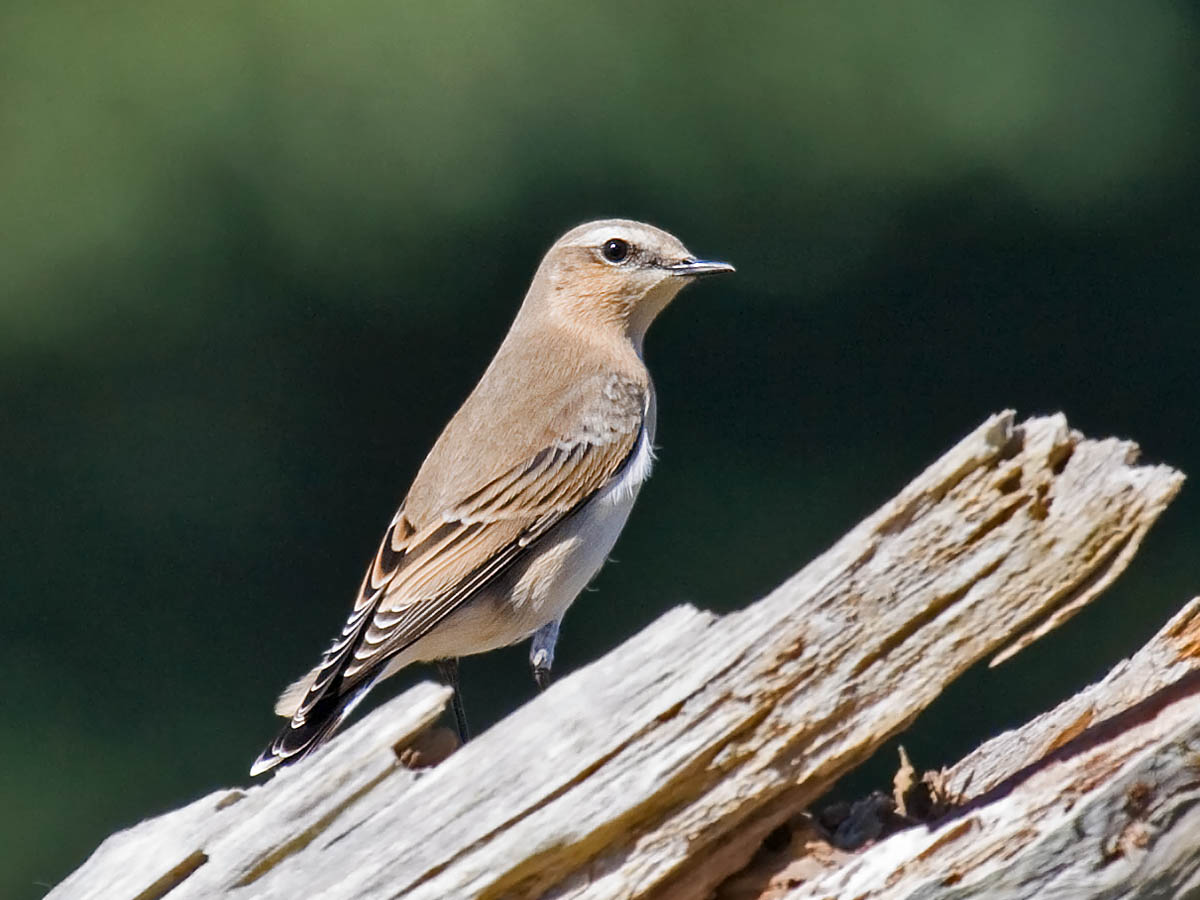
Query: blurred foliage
x=253, y=255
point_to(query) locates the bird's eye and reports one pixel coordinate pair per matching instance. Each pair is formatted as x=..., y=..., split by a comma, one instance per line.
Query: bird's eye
x=615, y=250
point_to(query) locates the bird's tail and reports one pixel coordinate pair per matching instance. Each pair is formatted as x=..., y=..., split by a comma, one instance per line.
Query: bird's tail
x=308, y=731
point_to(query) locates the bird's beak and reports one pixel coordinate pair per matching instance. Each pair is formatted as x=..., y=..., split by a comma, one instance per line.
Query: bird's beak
x=693, y=268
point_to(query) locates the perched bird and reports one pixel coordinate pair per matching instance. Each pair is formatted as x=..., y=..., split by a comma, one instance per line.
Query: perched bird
x=523, y=495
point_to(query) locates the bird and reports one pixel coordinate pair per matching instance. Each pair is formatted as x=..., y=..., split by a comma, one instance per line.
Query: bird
x=524, y=493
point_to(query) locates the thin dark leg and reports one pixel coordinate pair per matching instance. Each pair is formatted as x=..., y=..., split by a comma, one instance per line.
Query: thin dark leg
x=541, y=653
x=448, y=669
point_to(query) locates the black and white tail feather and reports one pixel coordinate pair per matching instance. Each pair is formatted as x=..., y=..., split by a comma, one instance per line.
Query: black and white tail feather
x=304, y=735
x=323, y=705
x=319, y=702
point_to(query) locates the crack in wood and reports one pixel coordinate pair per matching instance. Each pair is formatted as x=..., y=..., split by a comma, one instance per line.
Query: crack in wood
x=298, y=842
x=917, y=623
x=996, y=519
x=1094, y=736
x=174, y=876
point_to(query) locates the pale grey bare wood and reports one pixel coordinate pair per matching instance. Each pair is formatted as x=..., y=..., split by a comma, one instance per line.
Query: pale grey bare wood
x=1129, y=728
x=1117, y=819
x=235, y=828
x=631, y=776
x=1172, y=654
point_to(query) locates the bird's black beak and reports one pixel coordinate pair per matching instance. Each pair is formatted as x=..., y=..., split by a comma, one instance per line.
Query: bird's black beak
x=693, y=268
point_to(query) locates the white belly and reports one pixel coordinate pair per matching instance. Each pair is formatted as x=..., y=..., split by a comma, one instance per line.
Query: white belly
x=578, y=548
x=541, y=587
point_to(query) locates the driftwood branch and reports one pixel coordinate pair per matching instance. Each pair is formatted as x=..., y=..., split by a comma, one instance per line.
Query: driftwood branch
x=658, y=770
x=1099, y=797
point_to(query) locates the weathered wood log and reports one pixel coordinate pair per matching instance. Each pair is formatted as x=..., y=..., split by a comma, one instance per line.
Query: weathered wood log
x=1099, y=797
x=658, y=770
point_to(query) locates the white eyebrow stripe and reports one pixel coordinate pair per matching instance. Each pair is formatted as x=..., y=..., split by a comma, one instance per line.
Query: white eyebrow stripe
x=595, y=236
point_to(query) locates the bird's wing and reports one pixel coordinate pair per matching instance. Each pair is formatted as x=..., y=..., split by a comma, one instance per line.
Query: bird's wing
x=420, y=576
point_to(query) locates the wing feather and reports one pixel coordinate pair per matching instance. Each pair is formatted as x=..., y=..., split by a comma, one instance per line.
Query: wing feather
x=421, y=575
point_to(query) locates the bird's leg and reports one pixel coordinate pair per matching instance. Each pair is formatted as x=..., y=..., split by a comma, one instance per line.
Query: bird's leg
x=448, y=669
x=541, y=653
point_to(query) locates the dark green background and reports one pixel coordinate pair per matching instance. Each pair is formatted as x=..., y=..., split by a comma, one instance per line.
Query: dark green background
x=254, y=255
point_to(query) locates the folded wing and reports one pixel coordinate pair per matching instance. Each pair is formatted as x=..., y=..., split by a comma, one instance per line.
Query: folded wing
x=421, y=575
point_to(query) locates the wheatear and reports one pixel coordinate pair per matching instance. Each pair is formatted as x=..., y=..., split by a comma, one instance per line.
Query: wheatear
x=521, y=499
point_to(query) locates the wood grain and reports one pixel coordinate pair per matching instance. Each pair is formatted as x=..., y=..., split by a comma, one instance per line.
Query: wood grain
x=657, y=770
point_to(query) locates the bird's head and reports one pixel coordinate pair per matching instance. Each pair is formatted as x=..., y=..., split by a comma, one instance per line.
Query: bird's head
x=616, y=273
